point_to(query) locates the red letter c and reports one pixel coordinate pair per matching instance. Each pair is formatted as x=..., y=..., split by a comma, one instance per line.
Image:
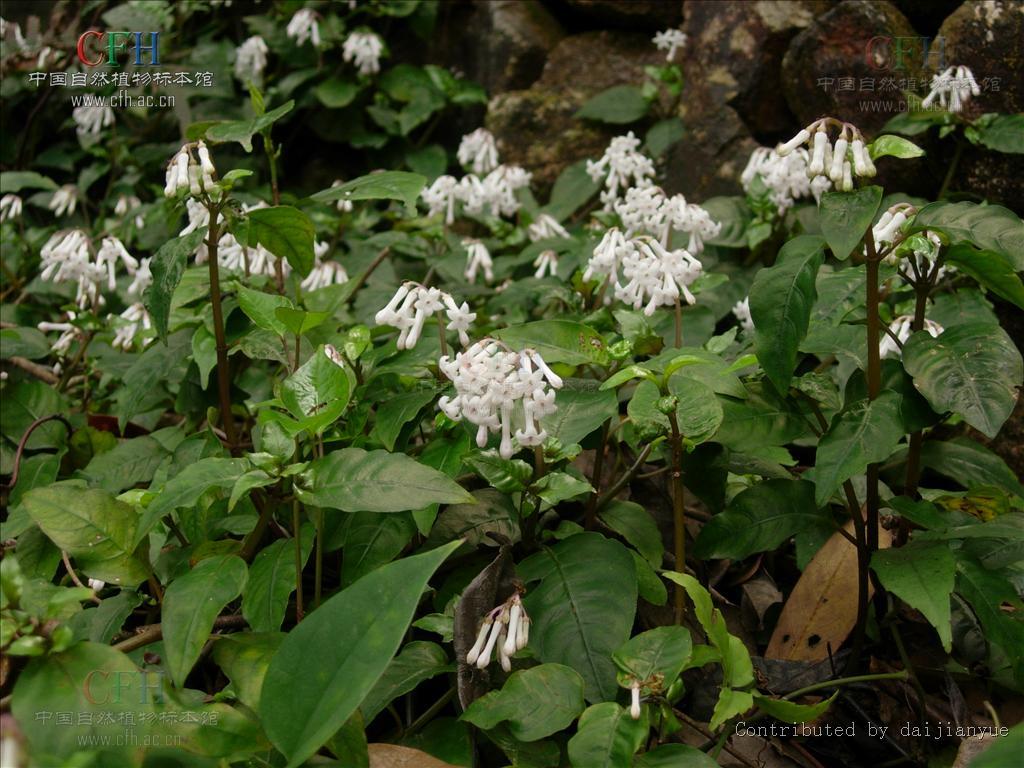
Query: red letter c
x=81, y=48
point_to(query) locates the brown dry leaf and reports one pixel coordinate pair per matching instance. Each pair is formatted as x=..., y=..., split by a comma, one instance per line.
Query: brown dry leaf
x=395, y=756
x=822, y=607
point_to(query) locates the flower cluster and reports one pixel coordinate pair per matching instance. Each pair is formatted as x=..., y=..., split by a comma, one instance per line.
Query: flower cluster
x=325, y=271
x=304, y=27
x=500, y=391
x=545, y=227
x=784, y=177
x=546, y=263
x=646, y=210
x=92, y=119
x=68, y=333
x=669, y=40
x=900, y=329
x=412, y=304
x=506, y=628
x=655, y=276
x=621, y=167
x=10, y=207
x=496, y=192
x=251, y=60
x=478, y=152
x=741, y=311
x=64, y=200
x=477, y=258
x=888, y=226
x=841, y=161
x=67, y=257
x=126, y=204
x=185, y=174
x=953, y=88
x=363, y=49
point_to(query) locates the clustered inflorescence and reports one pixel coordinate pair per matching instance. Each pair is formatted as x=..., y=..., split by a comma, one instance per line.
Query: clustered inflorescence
x=841, y=161
x=506, y=628
x=413, y=304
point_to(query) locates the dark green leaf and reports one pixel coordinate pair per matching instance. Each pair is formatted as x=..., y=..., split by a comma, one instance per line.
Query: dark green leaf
x=618, y=105
x=286, y=232
x=921, y=574
x=387, y=185
x=335, y=93
x=988, y=227
x=992, y=270
x=167, y=266
x=558, y=341
x=535, y=703
x=663, y=652
x=242, y=131
x=262, y=308
x=395, y=412
x=418, y=661
x=271, y=582
x=607, y=737
x=846, y=216
x=635, y=525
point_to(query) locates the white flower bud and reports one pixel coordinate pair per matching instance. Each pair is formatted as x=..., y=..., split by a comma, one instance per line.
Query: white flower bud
x=798, y=140
x=634, y=707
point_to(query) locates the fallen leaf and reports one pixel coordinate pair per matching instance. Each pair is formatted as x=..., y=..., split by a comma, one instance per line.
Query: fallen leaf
x=822, y=608
x=395, y=756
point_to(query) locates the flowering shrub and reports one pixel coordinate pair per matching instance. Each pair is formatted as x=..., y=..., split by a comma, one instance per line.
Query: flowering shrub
x=300, y=466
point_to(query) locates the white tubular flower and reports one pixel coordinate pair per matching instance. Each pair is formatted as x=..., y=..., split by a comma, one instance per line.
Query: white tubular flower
x=477, y=258
x=545, y=227
x=125, y=205
x=111, y=252
x=68, y=334
x=838, y=157
x=459, y=318
x=499, y=189
x=621, y=167
x=413, y=304
x=902, y=328
x=363, y=49
x=303, y=27
x=142, y=279
x=198, y=216
x=441, y=196
x=783, y=175
x=506, y=628
x=325, y=272
x=741, y=310
x=205, y=163
x=185, y=174
x=888, y=227
x=10, y=207
x=656, y=276
x=343, y=205
x=489, y=380
x=251, y=60
x=92, y=119
x=65, y=256
x=862, y=159
x=953, y=88
x=817, y=164
x=478, y=152
x=797, y=141
x=546, y=263
x=64, y=200
x=133, y=317
x=669, y=40
x=96, y=584
x=634, y=706
x=607, y=258
x=643, y=210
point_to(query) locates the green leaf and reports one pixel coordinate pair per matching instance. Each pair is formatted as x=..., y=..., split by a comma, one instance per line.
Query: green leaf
x=244, y=658
x=674, y=756
x=536, y=702
x=734, y=215
x=320, y=387
x=372, y=540
x=558, y=341
x=505, y=475
x=106, y=620
x=759, y=519
x=865, y=432
x=191, y=604
x=298, y=321
x=354, y=480
x=663, y=651
x=129, y=463
x=846, y=216
x=352, y=636
x=204, y=353
x=992, y=270
x=607, y=737
x=698, y=412
x=271, y=582
x=418, y=661
x=922, y=575
x=762, y=420
x=387, y=185
x=972, y=369
x=662, y=135
x=635, y=525
x=1004, y=133
x=24, y=342
x=395, y=412
x=781, y=299
x=970, y=464
x=791, y=712
x=15, y=181
x=888, y=145
x=628, y=373
x=649, y=585
x=988, y=227
x=335, y=93
x=491, y=512
x=556, y=487
x=185, y=488
x=579, y=412
x=572, y=189
x=730, y=703
x=618, y=105
x=262, y=308
x=286, y=232
x=168, y=266
x=96, y=529
x=582, y=613
x=242, y=131
x=149, y=374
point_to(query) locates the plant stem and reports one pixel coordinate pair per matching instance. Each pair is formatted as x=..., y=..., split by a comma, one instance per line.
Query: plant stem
x=440, y=336
x=952, y=169
x=319, y=564
x=874, y=383
x=678, y=515
x=153, y=633
x=298, y=351
x=223, y=371
x=679, y=323
x=297, y=535
x=619, y=484
x=591, y=518
x=923, y=288
x=901, y=675
x=79, y=355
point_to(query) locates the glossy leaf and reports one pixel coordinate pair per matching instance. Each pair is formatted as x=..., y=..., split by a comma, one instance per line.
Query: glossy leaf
x=535, y=703
x=607, y=737
x=846, y=216
x=579, y=412
x=992, y=270
x=636, y=525
x=271, y=582
x=387, y=185
x=417, y=661
x=558, y=341
x=319, y=387
x=352, y=636
x=167, y=266
x=988, y=227
x=662, y=651
x=286, y=232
